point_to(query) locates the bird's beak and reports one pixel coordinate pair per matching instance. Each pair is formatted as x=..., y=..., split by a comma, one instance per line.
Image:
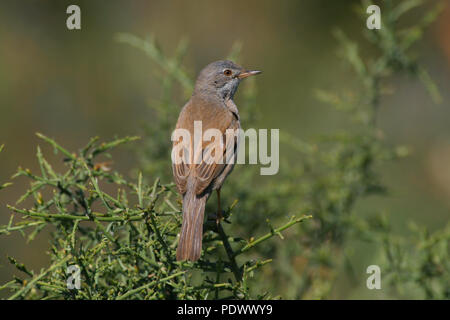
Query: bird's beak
x=246, y=74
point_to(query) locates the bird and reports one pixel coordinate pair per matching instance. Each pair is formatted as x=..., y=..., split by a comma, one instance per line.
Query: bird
x=196, y=178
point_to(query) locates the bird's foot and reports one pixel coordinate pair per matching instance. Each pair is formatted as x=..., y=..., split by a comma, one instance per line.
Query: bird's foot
x=219, y=217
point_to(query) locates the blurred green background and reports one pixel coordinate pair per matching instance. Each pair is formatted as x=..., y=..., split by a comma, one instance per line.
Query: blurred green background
x=73, y=85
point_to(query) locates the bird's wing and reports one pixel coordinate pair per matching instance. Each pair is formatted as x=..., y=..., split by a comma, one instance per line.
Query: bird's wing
x=202, y=166
x=180, y=173
x=182, y=168
x=209, y=169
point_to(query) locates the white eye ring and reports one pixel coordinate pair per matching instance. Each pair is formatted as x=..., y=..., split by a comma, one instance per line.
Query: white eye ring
x=227, y=72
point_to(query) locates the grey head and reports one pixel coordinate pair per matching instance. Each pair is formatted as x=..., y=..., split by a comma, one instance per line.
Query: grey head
x=221, y=78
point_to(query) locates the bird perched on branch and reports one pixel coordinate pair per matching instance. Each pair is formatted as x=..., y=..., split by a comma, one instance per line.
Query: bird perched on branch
x=196, y=177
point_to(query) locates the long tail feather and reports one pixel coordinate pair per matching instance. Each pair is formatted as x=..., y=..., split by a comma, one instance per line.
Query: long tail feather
x=190, y=244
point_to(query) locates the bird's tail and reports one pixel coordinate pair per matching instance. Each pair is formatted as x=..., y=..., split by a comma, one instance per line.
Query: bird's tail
x=190, y=244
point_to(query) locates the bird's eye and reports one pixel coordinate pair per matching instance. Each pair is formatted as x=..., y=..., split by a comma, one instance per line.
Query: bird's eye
x=227, y=72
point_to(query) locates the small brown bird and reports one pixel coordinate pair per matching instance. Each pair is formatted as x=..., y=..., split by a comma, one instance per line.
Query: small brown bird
x=212, y=104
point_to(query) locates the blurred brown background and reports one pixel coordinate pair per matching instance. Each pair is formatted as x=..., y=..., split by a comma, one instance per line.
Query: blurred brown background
x=72, y=85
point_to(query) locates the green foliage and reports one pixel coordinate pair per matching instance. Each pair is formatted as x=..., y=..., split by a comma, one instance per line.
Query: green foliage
x=418, y=266
x=123, y=240
x=123, y=234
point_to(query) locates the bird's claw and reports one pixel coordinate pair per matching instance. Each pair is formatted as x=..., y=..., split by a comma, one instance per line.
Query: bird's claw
x=219, y=217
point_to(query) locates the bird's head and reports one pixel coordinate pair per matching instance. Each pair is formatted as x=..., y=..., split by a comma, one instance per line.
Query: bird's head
x=222, y=77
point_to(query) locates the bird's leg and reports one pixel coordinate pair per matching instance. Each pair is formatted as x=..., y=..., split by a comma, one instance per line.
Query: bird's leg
x=219, y=211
